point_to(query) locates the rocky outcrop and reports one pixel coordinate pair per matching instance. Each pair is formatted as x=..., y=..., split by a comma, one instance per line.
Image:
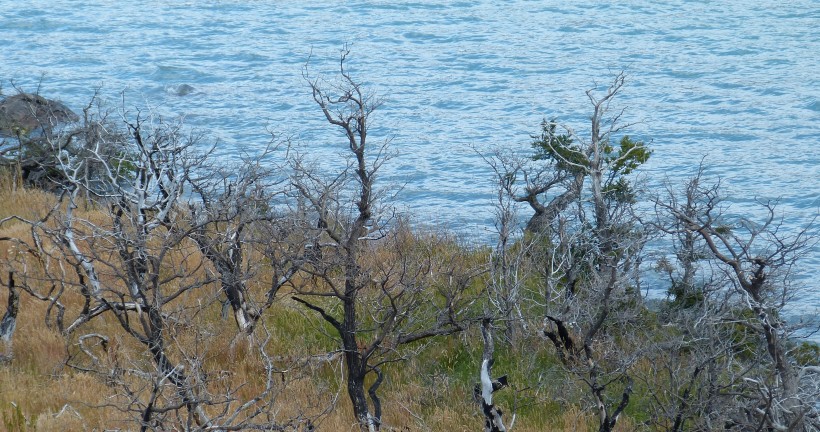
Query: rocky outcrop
x=25, y=113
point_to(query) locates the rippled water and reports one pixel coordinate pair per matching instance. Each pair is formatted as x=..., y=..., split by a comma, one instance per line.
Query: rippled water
x=733, y=81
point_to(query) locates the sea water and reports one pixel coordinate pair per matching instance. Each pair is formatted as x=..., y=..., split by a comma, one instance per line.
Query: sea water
x=734, y=83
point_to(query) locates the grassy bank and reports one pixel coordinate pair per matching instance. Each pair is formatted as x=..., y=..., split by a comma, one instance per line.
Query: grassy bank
x=43, y=388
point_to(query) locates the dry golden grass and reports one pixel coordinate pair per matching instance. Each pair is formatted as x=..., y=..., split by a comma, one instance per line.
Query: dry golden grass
x=26, y=203
x=35, y=379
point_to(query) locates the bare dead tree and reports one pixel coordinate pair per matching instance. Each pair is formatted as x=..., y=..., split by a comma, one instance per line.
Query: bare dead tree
x=758, y=262
x=133, y=261
x=510, y=263
x=597, y=260
x=235, y=225
x=696, y=344
x=379, y=288
x=142, y=206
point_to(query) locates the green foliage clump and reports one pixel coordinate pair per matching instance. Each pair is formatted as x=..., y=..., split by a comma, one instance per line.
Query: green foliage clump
x=560, y=148
x=806, y=354
x=568, y=155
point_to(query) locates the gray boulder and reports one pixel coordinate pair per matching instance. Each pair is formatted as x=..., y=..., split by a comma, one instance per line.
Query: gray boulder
x=27, y=113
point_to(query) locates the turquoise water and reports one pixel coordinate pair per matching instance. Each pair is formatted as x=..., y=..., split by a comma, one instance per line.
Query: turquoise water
x=735, y=82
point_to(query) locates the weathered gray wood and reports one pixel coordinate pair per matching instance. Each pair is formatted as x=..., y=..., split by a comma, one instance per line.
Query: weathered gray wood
x=493, y=421
x=9, y=321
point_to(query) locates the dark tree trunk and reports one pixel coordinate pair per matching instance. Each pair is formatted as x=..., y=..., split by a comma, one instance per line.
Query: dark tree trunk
x=356, y=373
x=174, y=373
x=354, y=355
x=358, y=396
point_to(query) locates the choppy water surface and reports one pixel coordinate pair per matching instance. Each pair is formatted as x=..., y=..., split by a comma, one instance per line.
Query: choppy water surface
x=734, y=81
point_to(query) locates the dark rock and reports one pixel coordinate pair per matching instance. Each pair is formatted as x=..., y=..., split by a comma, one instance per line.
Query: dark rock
x=25, y=113
x=184, y=90
x=180, y=90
